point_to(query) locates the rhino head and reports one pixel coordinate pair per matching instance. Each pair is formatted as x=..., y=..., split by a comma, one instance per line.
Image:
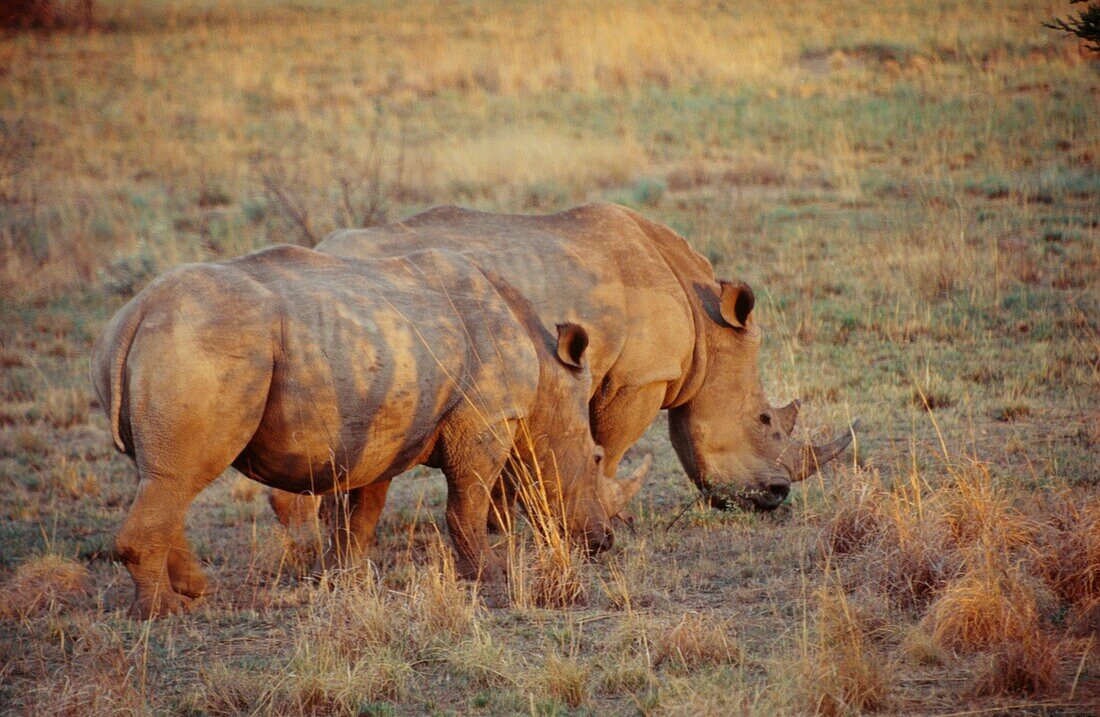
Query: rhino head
x=736, y=447
x=573, y=479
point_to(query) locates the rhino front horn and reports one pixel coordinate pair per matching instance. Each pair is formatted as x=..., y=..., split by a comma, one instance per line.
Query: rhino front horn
x=810, y=457
x=620, y=491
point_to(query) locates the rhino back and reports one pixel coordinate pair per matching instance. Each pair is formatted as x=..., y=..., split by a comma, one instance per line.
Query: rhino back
x=372, y=357
x=594, y=265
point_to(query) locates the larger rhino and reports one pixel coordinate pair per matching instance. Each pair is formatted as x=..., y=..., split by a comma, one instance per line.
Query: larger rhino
x=311, y=372
x=665, y=334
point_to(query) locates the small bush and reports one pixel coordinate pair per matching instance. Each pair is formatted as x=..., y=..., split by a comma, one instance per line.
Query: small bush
x=127, y=275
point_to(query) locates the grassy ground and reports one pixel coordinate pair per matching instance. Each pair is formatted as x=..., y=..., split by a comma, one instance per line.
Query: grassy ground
x=911, y=188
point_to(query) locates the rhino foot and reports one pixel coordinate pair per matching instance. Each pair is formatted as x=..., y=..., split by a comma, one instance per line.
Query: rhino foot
x=495, y=594
x=160, y=605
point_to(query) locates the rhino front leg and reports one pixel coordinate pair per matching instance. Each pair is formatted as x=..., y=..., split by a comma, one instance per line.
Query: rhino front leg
x=468, y=499
x=300, y=515
x=353, y=525
x=502, y=508
x=473, y=468
x=619, y=420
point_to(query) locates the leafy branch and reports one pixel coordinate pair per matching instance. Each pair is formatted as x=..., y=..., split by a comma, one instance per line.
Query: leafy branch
x=1085, y=26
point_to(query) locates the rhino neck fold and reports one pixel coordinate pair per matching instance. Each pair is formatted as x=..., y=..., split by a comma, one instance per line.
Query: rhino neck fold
x=691, y=271
x=691, y=379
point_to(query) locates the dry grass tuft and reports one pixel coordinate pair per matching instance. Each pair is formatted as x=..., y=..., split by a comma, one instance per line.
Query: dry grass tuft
x=353, y=645
x=989, y=605
x=857, y=520
x=976, y=509
x=1068, y=555
x=624, y=673
x=982, y=572
x=442, y=605
x=696, y=641
x=549, y=573
x=629, y=577
x=838, y=671
x=911, y=541
x=482, y=662
x=997, y=608
x=1026, y=668
x=911, y=560
x=547, y=578
x=63, y=407
x=565, y=678
x=41, y=583
x=921, y=647
x=355, y=619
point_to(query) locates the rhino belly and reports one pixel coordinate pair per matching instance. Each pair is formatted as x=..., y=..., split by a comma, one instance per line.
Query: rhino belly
x=309, y=443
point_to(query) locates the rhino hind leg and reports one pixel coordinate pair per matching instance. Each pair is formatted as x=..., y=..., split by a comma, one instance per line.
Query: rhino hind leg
x=184, y=572
x=188, y=426
x=301, y=516
x=147, y=537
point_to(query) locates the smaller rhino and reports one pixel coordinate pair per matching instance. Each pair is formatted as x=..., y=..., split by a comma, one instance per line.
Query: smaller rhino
x=312, y=373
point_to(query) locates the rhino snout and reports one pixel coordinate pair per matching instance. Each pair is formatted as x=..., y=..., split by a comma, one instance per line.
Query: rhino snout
x=768, y=494
x=774, y=492
x=597, y=540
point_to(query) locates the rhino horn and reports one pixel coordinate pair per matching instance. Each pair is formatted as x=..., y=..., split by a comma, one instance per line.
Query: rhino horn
x=807, y=458
x=618, y=492
x=788, y=415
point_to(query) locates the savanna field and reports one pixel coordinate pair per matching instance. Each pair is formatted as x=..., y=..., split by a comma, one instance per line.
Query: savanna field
x=911, y=189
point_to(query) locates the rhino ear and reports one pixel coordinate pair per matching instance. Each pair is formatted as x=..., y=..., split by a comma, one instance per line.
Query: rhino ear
x=736, y=303
x=572, y=342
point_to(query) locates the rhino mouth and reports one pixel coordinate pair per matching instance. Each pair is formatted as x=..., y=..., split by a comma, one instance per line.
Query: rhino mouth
x=801, y=461
x=755, y=499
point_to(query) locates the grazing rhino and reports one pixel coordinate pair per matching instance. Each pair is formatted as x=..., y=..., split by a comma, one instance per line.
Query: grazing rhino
x=665, y=334
x=311, y=372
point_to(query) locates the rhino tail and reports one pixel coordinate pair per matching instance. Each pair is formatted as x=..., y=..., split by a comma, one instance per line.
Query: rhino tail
x=109, y=362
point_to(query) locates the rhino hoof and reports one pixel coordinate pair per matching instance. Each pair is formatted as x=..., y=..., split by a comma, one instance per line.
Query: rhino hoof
x=161, y=605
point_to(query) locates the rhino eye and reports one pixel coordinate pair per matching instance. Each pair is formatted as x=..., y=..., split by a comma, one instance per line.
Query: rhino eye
x=765, y=419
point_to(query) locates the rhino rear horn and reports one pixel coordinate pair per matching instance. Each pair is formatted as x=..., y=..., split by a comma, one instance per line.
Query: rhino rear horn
x=808, y=458
x=788, y=415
